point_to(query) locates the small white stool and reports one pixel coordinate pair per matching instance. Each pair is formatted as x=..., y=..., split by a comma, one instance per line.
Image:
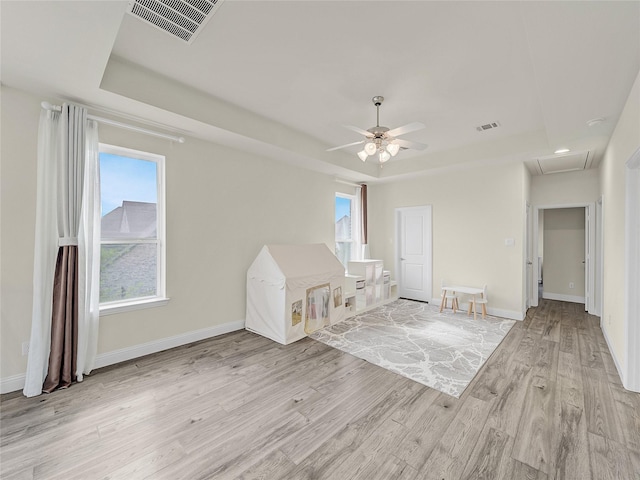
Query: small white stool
x=482, y=300
x=449, y=295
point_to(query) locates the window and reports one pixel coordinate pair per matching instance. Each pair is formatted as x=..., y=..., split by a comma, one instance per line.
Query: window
x=347, y=244
x=132, y=228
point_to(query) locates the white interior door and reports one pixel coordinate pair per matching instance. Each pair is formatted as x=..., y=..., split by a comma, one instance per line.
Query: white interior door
x=587, y=258
x=590, y=270
x=537, y=248
x=414, y=262
x=528, y=259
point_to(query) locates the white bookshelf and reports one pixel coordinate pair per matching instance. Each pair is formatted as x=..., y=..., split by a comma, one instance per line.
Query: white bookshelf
x=367, y=286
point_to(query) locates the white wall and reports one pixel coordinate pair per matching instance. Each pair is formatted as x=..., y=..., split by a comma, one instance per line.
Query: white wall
x=557, y=189
x=222, y=206
x=564, y=233
x=474, y=211
x=566, y=188
x=624, y=142
x=18, y=152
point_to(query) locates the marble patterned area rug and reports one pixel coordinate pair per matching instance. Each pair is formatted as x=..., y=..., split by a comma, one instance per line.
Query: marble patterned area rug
x=413, y=339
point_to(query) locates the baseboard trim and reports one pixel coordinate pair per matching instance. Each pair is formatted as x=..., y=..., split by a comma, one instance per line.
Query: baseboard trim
x=510, y=314
x=498, y=312
x=563, y=298
x=12, y=383
x=16, y=382
x=612, y=352
x=136, y=351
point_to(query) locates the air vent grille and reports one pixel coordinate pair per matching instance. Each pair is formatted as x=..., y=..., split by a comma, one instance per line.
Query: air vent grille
x=487, y=126
x=183, y=19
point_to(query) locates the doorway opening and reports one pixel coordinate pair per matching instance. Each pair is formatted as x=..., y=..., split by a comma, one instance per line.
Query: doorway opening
x=561, y=254
x=564, y=254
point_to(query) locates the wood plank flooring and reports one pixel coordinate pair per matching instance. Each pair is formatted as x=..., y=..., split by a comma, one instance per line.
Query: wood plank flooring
x=548, y=404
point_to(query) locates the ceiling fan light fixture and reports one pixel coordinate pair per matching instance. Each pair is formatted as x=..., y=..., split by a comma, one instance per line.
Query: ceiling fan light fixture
x=380, y=140
x=370, y=148
x=393, y=149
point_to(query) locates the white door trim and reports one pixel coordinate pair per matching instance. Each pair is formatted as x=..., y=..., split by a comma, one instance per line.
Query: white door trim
x=631, y=377
x=530, y=279
x=599, y=254
x=590, y=279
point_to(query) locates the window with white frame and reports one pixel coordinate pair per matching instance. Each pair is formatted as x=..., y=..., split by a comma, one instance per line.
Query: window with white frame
x=132, y=253
x=347, y=228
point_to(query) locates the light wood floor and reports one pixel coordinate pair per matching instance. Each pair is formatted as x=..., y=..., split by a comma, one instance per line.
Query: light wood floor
x=547, y=405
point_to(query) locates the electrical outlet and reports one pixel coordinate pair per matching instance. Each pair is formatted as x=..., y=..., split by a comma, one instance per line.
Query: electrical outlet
x=25, y=348
x=571, y=285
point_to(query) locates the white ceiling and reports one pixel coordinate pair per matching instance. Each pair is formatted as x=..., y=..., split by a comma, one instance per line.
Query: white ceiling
x=282, y=77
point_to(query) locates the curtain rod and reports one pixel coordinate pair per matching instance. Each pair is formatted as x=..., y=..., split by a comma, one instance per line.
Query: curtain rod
x=346, y=182
x=58, y=108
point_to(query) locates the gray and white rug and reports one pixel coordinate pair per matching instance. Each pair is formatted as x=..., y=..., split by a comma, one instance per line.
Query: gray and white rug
x=413, y=339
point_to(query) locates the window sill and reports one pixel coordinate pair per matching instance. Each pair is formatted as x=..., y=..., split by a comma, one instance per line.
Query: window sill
x=133, y=305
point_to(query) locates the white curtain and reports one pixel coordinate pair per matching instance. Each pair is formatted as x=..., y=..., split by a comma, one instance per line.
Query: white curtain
x=89, y=257
x=53, y=229
x=46, y=250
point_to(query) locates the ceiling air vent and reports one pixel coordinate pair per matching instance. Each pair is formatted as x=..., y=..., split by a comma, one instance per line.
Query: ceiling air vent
x=487, y=126
x=183, y=19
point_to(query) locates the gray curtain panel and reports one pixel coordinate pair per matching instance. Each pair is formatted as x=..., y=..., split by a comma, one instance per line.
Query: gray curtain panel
x=64, y=321
x=363, y=202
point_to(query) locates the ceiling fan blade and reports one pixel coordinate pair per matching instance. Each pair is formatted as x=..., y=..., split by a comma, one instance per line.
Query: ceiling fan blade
x=359, y=130
x=345, y=146
x=410, y=127
x=407, y=144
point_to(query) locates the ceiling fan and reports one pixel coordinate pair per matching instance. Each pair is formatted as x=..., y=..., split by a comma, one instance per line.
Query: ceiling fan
x=382, y=140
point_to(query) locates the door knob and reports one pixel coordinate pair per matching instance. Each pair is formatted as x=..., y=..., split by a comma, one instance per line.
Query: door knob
x=402, y=259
